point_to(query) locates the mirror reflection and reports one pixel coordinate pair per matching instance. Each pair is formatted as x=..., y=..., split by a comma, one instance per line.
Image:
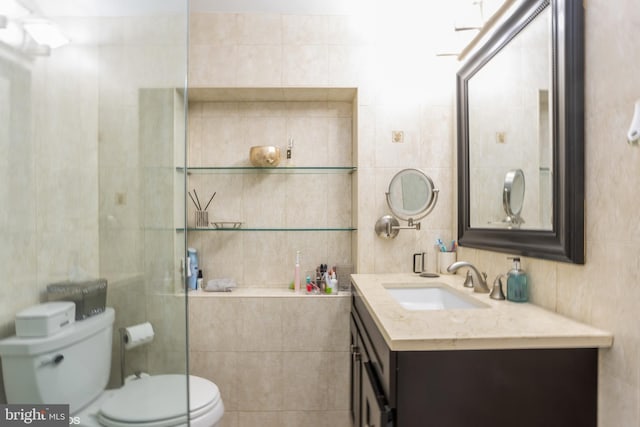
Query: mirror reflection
x=510, y=128
x=410, y=193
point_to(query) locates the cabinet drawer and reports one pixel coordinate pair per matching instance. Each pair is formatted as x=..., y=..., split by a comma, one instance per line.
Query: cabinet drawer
x=383, y=361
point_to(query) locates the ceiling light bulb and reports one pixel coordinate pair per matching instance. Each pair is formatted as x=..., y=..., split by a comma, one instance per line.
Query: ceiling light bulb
x=45, y=33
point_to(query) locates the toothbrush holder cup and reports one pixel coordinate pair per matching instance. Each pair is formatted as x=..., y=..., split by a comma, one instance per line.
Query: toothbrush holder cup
x=445, y=259
x=202, y=219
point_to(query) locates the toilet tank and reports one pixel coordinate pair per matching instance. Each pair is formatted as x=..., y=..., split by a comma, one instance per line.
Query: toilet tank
x=70, y=367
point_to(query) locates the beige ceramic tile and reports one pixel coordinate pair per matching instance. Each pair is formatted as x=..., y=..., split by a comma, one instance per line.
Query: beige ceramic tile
x=259, y=381
x=305, y=65
x=315, y=384
x=261, y=323
x=260, y=418
x=316, y=324
x=259, y=29
x=212, y=324
x=316, y=418
x=213, y=65
x=305, y=29
x=213, y=28
x=222, y=369
x=259, y=65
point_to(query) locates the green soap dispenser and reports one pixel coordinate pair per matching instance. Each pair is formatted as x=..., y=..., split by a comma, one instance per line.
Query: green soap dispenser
x=517, y=287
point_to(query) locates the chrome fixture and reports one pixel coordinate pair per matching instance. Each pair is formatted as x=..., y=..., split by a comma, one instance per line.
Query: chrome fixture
x=496, y=292
x=479, y=285
x=411, y=197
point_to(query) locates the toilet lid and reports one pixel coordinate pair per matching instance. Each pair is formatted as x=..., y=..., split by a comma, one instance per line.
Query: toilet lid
x=154, y=399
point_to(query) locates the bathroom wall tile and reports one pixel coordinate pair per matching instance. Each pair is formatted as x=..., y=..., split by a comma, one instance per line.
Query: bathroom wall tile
x=306, y=197
x=313, y=385
x=213, y=28
x=316, y=419
x=259, y=29
x=316, y=324
x=311, y=135
x=230, y=419
x=156, y=129
x=261, y=131
x=259, y=418
x=218, y=109
x=219, y=139
x=212, y=324
x=159, y=257
x=401, y=117
x=297, y=109
x=118, y=127
x=339, y=195
x=542, y=281
x=349, y=65
x=163, y=361
x=306, y=65
x=259, y=65
x=305, y=29
x=167, y=314
x=257, y=194
x=260, y=267
x=436, y=136
x=221, y=256
x=339, y=139
x=617, y=402
x=261, y=324
x=221, y=368
x=212, y=65
x=260, y=386
x=263, y=108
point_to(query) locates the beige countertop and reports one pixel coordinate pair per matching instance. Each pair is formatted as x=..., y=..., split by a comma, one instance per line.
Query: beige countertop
x=502, y=325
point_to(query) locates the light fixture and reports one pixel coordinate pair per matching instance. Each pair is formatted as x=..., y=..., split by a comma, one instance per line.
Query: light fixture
x=45, y=33
x=12, y=35
x=12, y=9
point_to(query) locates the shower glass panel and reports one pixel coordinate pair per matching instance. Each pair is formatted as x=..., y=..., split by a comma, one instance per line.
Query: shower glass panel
x=91, y=133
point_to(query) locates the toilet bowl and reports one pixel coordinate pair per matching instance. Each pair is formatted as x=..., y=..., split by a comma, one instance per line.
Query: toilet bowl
x=155, y=401
x=72, y=365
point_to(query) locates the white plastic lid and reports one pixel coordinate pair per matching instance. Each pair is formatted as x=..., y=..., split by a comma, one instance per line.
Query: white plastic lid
x=46, y=310
x=158, y=398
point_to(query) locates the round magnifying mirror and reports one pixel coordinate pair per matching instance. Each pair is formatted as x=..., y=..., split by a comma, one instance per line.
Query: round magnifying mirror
x=513, y=192
x=411, y=195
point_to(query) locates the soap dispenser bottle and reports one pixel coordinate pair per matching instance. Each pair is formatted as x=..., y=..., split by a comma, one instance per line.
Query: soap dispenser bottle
x=517, y=287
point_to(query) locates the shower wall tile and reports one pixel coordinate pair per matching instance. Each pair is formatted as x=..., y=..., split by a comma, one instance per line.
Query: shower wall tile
x=275, y=359
x=259, y=65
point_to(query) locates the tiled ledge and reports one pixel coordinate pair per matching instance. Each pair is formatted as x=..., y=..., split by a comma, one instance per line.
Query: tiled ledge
x=263, y=292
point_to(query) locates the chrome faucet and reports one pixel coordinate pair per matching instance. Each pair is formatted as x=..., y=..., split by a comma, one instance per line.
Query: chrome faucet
x=479, y=285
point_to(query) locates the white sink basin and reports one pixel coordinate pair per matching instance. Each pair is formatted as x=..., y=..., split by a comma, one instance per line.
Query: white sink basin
x=432, y=296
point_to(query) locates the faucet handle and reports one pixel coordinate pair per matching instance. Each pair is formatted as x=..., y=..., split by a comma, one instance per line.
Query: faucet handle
x=496, y=292
x=468, y=281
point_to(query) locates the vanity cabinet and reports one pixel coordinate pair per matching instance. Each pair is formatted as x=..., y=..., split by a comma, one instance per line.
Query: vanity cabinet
x=463, y=388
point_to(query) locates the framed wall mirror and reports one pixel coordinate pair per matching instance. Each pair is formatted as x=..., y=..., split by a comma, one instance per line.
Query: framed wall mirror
x=520, y=106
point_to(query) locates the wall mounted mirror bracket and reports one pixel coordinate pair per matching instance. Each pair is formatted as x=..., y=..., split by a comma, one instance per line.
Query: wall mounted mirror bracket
x=411, y=197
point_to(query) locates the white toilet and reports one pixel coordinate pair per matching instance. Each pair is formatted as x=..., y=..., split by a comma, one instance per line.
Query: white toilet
x=72, y=367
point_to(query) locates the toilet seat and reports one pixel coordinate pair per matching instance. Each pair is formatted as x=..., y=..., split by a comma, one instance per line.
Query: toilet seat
x=159, y=401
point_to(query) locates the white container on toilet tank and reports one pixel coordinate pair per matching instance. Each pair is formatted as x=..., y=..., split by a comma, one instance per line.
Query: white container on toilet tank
x=45, y=319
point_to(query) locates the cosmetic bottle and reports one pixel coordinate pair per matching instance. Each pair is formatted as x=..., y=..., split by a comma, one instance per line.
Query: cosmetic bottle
x=200, y=280
x=517, y=287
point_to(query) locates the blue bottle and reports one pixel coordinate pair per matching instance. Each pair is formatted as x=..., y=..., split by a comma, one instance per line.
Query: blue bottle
x=517, y=286
x=192, y=268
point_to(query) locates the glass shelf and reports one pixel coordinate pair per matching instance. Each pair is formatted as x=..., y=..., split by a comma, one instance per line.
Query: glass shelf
x=268, y=170
x=270, y=229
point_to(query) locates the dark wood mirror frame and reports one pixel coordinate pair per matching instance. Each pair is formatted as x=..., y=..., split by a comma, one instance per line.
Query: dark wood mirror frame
x=565, y=242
